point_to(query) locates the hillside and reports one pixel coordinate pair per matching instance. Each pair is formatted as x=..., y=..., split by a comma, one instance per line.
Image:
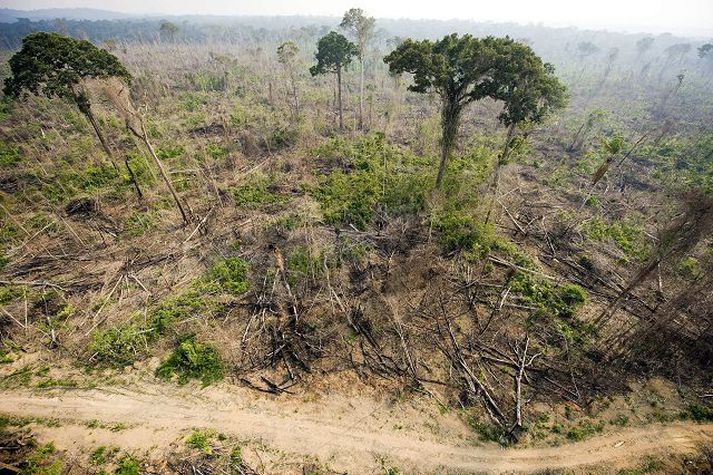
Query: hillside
x=303, y=298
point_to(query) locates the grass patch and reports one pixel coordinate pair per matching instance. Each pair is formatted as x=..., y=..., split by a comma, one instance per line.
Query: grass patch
x=57, y=383
x=102, y=455
x=121, y=345
x=192, y=360
x=254, y=194
x=649, y=465
x=10, y=155
x=137, y=223
x=200, y=440
x=40, y=462
x=584, y=430
x=627, y=236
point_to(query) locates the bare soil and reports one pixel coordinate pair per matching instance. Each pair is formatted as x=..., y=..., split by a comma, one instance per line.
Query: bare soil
x=348, y=434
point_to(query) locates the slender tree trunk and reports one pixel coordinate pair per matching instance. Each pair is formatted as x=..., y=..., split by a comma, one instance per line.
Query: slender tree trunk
x=133, y=178
x=339, y=97
x=95, y=125
x=572, y=147
x=294, y=93
x=144, y=138
x=450, y=116
x=495, y=180
x=508, y=140
x=166, y=178
x=361, y=94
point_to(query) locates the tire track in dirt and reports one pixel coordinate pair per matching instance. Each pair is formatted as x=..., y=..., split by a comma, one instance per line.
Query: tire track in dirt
x=158, y=419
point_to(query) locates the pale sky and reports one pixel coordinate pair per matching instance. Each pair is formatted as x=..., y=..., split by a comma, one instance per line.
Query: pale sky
x=689, y=17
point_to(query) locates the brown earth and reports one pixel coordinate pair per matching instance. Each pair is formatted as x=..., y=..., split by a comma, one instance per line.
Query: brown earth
x=352, y=435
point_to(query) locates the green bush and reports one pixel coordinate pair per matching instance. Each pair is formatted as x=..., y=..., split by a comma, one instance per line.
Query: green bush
x=488, y=432
x=200, y=439
x=283, y=137
x=119, y=346
x=192, y=360
x=231, y=275
x=127, y=465
x=254, y=194
x=9, y=155
x=379, y=176
x=584, y=430
x=177, y=308
x=698, y=413
x=458, y=231
x=559, y=301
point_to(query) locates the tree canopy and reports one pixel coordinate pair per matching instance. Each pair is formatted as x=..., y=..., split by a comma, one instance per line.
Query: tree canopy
x=287, y=52
x=456, y=67
x=54, y=65
x=528, y=87
x=361, y=26
x=334, y=52
x=466, y=69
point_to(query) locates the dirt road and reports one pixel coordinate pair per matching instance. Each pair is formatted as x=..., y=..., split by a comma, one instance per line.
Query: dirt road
x=346, y=438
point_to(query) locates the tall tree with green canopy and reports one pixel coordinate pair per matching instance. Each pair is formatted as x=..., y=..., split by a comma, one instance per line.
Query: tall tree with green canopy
x=362, y=27
x=57, y=66
x=458, y=69
x=334, y=53
x=529, y=89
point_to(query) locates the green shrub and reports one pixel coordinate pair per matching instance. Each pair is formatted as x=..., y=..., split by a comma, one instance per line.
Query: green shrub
x=380, y=176
x=192, y=360
x=231, y=275
x=584, y=430
x=9, y=293
x=9, y=155
x=488, y=432
x=127, y=465
x=173, y=309
x=236, y=457
x=283, y=137
x=255, y=194
x=698, y=413
x=458, y=231
x=119, y=346
x=200, y=439
x=628, y=237
x=559, y=301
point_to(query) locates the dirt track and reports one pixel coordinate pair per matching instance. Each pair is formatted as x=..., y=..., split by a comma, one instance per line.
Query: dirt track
x=156, y=420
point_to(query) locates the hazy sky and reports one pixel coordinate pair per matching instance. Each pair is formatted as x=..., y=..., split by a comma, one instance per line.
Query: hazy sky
x=692, y=17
